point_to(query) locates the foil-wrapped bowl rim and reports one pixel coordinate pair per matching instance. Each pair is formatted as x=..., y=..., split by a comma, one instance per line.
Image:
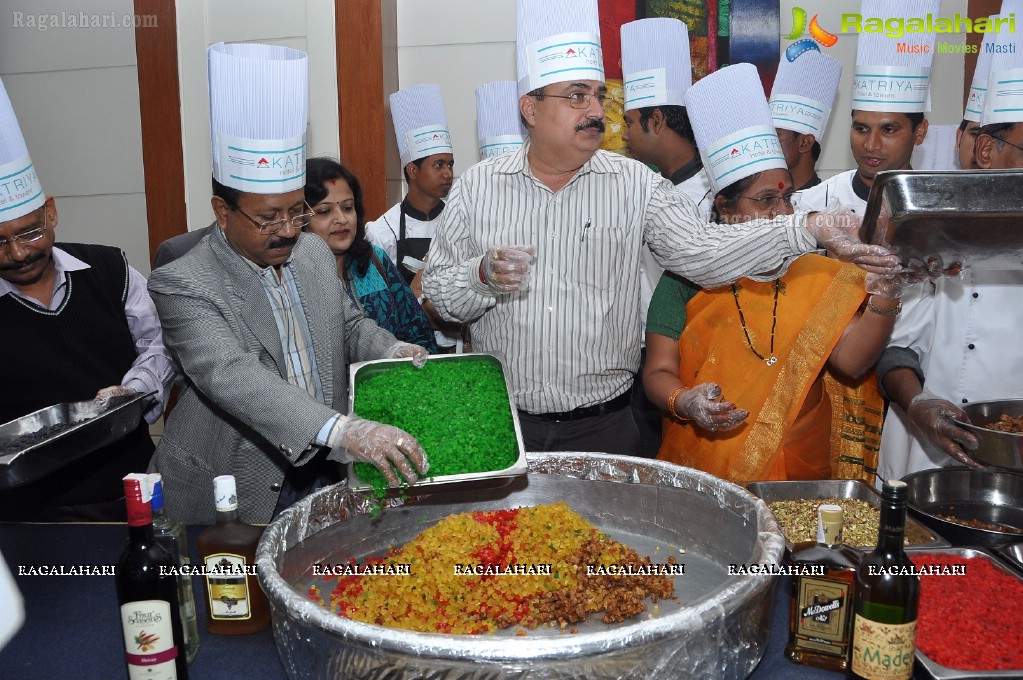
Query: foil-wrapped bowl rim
x=294, y=523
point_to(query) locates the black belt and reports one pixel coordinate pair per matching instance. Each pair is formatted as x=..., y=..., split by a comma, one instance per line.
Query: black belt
x=616, y=404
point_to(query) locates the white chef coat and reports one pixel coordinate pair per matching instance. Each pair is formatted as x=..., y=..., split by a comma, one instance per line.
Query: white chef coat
x=696, y=188
x=833, y=192
x=965, y=331
x=384, y=231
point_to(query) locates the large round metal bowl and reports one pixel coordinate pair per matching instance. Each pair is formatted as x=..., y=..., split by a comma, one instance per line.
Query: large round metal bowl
x=1004, y=449
x=717, y=629
x=987, y=496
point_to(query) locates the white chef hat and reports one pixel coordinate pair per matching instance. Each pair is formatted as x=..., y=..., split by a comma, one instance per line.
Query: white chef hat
x=557, y=41
x=259, y=104
x=1004, y=100
x=497, y=118
x=732, y=124
x=420, y=122
x=978, y=87
x=804, y=92
x=656, y=66
x=20, y=191
x=885, y=78
x=938, y=150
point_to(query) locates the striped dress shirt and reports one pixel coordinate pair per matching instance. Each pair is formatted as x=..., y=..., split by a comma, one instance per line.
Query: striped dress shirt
x=573, y=338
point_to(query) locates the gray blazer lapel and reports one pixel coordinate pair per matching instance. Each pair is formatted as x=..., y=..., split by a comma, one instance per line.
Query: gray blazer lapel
x=254, y=307
x=311, y=293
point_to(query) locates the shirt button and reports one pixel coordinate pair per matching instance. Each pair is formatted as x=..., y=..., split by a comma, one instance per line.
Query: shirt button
x=275, y=487
x=966, y=401
x=971, y=345
x=976, y=295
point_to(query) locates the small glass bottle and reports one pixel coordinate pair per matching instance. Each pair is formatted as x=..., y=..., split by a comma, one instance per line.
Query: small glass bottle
x=154, y=646
x=887, y=596
x=820, y=624
x=235, y=603
x=171, y=535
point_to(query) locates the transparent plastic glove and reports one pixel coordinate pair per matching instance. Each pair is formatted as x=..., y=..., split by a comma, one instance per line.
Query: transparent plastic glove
x=104, y=396
x=935, y=417
x=934, y=268
x=383, y=446
x=505, y=269
x=892, y=287
x=404, y=350
x=838, y=231
x=702, y=405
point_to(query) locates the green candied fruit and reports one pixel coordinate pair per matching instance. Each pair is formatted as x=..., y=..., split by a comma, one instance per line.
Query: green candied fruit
x=458, y=410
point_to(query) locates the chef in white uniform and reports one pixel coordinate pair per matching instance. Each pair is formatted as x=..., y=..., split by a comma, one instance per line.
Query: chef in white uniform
x=801, y=100
x=891, y=92
x=427, y=160
x=957, y=340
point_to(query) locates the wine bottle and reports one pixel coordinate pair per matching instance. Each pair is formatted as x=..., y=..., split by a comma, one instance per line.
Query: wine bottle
x=887, y=594
x=171, y=535
x=235, y=603
x=148, y=596
x=821, y=622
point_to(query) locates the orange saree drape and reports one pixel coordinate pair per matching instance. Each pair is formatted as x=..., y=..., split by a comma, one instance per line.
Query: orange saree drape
x=803, y=422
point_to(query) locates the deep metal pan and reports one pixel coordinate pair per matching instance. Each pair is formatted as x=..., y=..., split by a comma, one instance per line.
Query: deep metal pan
x=973, y=217
x=91, y=428
x=1004, y=449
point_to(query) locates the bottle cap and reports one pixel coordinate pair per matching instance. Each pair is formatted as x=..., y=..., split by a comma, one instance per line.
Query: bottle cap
x=829, y=524
x=136, y=498
x=225, y=493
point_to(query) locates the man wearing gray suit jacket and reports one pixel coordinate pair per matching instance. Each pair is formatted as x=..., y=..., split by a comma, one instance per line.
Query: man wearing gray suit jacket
x=248, y=406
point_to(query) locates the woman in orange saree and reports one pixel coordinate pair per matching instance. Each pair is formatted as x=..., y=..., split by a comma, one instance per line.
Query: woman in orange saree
x=768, y=380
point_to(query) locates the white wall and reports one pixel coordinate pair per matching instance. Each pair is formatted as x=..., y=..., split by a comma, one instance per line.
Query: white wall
x=75, y=91
x=461, y=44
x=306, y=25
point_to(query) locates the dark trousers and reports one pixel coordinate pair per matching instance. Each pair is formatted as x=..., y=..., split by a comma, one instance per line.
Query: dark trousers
x=648, y=417
x=609, y=433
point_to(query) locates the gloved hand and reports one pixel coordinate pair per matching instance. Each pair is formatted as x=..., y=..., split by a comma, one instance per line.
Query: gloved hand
x=359, y=440
x=505, y=269
x=702, y=406
x=893, y=287
x=104, y=396
x=838, y=231
x=404, y=350
x=934, y=416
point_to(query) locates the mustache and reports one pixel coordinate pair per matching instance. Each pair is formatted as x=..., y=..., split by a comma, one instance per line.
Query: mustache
x=28, y=261
x=594, y=123
x=282, y=242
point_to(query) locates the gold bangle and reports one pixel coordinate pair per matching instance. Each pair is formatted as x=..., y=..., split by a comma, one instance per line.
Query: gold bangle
x=884, y=312
x=671, y=403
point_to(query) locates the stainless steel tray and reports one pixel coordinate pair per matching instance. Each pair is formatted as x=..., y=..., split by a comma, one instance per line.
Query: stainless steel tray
x=1012, y=553
x=974, y=217
x=360, y=372
x=96, y=427
x=839, y=488
x=934, y=670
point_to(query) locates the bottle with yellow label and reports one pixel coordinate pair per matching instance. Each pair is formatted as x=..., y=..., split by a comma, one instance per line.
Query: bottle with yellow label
x=235, y=603
x=887, y=594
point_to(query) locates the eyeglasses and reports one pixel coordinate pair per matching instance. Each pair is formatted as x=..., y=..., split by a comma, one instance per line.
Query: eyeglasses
x=581, y=100
x=30, y=236
x=270, y=228
x=1000, y=139
x=771, y=202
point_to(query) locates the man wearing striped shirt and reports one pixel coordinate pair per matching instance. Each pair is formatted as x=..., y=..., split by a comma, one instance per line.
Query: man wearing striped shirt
x=538, y=250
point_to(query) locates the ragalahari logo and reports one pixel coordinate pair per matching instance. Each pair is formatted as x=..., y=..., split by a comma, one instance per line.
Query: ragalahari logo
x=818, y=36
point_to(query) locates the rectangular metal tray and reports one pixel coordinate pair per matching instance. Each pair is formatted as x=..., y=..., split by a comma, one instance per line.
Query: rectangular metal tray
x=1013, y=554
x=934, y=670
x=838, y=488
x=973, y=217
x=96, y=427
x=360, y=372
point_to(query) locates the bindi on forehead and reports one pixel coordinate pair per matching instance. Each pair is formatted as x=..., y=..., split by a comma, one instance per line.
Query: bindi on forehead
x=781, y=185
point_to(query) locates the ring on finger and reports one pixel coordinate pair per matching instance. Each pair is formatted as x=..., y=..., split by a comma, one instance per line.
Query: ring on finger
x=400, y=442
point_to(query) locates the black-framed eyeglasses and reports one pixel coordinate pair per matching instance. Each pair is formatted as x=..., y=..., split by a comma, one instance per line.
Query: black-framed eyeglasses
x=771, y=202
x=299, y=222
x=581, y=100
x=28, y=236
x=1002, y=139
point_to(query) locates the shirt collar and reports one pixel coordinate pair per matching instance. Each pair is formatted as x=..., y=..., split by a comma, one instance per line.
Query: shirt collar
x=687, y=171
x=860, y=187
x=63, y=262
x=261, y=271
x=416, y=214
x=812, y=182
x=518, y=162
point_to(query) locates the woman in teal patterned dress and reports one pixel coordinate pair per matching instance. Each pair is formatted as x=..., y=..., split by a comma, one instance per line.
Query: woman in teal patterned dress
x=369, y=277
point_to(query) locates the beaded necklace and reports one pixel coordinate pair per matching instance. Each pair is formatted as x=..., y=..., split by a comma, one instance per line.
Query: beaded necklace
x=774, y=323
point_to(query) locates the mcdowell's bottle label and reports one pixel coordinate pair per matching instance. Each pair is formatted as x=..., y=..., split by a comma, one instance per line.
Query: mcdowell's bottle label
x=823, y=611
x=883, y=651
x=228, y=586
